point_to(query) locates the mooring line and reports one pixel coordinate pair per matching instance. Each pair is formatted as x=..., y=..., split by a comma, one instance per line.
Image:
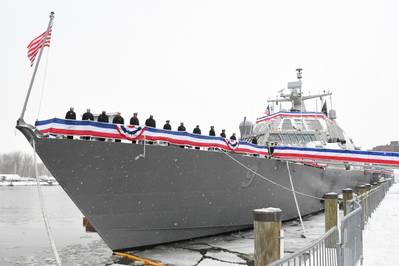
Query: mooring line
x=296, y=201
x=269, y=180
x=44, y=214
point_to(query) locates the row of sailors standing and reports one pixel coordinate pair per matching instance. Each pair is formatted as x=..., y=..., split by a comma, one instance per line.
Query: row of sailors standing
x=150, y=122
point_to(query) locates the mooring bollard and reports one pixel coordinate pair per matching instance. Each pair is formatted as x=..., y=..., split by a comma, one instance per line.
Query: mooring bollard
x=267, y=226
x=330, y=216
x=347, y=194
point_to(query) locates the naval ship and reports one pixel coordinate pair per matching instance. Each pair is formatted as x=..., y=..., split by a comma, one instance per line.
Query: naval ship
x=174, y=193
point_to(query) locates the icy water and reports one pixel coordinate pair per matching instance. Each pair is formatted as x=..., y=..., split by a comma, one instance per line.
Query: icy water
x=23, y=238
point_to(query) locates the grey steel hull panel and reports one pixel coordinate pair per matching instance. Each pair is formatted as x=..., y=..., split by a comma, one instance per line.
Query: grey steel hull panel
x=174, y=193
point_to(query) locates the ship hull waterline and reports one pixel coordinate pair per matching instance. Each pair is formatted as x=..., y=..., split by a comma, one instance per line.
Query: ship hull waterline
x=173, y=193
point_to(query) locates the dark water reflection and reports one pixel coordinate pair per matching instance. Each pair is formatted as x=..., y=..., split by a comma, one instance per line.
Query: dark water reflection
x=23, y=238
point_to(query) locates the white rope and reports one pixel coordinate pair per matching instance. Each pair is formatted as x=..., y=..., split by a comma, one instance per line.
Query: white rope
x=44, y=214
x=43, y=84
x=269, y=180
x=296, y=201
x=141, y=155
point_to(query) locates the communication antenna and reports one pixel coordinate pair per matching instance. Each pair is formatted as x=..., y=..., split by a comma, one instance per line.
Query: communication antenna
x=299, y=73
x=299, y=76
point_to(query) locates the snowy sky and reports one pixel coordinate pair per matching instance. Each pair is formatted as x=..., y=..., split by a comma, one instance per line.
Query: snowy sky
x=203, y=62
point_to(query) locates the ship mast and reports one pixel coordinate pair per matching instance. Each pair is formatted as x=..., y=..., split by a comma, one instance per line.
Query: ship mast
x=295, y=95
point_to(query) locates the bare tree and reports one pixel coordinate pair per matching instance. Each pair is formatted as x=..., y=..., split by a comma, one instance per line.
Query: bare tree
x=22, y=164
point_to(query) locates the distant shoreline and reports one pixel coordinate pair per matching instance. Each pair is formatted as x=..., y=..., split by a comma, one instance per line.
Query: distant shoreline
x=10, y=180
x=26, y=183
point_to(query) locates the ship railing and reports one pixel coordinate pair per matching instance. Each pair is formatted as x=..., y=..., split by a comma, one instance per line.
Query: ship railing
x=341, y=246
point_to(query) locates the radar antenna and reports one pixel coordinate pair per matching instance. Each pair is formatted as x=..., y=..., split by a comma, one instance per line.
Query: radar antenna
x=299, y=73
x=295, y=96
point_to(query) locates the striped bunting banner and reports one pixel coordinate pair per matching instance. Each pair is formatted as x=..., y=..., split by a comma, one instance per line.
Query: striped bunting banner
x=336, y=155
x=57, y=126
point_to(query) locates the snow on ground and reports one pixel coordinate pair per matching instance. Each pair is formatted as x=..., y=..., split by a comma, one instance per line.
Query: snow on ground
x=234, y=249
x=381, y=234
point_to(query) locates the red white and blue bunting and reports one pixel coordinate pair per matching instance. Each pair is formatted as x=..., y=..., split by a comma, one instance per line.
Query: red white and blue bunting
x=337, y=155
x=58, y=126
x=291, y=115
x=64, y=127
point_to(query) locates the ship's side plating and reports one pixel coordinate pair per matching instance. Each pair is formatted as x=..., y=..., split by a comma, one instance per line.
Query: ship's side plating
x=175, y=193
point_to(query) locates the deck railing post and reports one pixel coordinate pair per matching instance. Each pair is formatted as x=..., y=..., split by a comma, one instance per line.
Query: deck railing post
x=267, y=226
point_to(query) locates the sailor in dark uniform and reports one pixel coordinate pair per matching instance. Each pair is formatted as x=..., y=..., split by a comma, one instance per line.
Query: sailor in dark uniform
x=181, y=127
x=134, y=120
x=223, y=134
x=150, y=122
x=212, y=131
x=118, y=119
x=87, y=116
x=254, y=140
x=103, y=117
x=233, y=137
x=167, y=126
x=197, y=130
x=70, y=115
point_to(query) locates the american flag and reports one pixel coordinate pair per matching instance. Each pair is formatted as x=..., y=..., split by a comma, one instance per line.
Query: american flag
x=35, y=45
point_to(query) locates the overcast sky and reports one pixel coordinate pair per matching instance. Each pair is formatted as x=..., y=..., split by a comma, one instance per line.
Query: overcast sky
x=202, y=62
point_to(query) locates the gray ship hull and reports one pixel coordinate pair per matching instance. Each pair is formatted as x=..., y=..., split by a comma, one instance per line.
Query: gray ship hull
x=174, y=193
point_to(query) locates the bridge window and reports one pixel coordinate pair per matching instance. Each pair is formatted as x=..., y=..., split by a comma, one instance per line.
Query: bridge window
x=287, y=125
x=313, y=124
x=299, y=124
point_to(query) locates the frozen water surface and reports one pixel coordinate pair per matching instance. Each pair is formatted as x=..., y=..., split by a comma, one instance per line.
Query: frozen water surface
x=24, y=241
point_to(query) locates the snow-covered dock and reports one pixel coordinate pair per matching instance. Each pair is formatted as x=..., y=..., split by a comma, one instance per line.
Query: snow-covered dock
x=231, y=249
x=381, y=234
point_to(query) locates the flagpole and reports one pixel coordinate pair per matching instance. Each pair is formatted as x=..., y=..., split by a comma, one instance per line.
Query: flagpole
x=21, y=118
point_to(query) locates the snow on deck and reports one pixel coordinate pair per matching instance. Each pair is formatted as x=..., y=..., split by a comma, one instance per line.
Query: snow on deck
x=381, y=234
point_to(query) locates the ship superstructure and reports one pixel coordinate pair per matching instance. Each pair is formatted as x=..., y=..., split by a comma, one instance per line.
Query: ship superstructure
x=297, y=127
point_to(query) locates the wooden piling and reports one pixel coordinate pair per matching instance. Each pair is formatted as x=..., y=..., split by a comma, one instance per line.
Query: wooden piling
x=362, y=192
x=366, y=201
x=330, y=210
x=267, y=226
x=330, y=216
x=347, y=195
